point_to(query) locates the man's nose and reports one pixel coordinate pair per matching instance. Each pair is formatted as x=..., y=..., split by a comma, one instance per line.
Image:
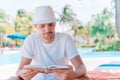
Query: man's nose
x=47, y=28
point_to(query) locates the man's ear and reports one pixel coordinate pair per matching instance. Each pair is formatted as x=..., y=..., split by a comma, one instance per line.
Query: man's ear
x=35, y=27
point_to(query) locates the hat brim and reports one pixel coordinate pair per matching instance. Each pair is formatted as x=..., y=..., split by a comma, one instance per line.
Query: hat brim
x=45, y=21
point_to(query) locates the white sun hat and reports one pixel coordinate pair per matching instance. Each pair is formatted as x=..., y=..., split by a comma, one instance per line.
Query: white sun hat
x=44, y=14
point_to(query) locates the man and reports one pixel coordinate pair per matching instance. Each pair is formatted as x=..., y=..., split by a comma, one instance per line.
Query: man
x=48, y=48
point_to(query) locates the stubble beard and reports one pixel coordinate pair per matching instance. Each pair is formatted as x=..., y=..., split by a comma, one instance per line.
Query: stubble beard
x=49, y=37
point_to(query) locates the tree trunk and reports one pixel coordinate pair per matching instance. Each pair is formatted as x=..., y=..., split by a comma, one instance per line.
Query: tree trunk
x=1, y=39
x=117, y=17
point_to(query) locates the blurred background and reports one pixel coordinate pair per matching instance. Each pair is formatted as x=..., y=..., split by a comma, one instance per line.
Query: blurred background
x=91, y=23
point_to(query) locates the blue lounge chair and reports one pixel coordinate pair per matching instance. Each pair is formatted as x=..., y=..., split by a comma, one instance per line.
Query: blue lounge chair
x=113, y=67
x=110, y=65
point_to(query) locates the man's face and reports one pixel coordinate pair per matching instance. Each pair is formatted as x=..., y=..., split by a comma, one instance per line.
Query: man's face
x=46, y=30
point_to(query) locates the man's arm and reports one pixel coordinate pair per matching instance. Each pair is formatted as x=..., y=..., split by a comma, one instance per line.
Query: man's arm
x=78, y=74
x=80, y=69
x=24, y=61
x=25, y=74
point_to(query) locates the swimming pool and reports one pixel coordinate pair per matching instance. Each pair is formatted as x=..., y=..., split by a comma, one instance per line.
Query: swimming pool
x=15, y=58
x=100, y=54
x=9, y=58
x=92, y=53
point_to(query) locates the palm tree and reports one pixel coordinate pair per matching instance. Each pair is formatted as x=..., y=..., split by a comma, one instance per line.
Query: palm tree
x=67, y=16
x=22, y=22
x=75, y=27
x=18, y=21
x=86, y=33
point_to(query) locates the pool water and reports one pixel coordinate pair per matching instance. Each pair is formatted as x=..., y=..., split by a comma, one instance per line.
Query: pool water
x=9, y=58
x=15, y=58
x=100, y=54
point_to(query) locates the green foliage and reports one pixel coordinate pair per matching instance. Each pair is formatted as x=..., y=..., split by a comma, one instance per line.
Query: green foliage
x=102, y=24
x=109, y=47
x=3, y=14
x=22, y=22
x=115, y=46
x=102, y=29
x=87, y=46
x=21, y=12
x=18, y=45
x=96, y=41
x=67, y=15
x=1, y=30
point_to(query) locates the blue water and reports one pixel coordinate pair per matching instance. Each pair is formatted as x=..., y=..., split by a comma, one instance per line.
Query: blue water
x=100, y=54
x=9, y=58
x=15, y=58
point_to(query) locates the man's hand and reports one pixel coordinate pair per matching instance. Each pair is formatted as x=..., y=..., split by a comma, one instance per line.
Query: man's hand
x=27, y=74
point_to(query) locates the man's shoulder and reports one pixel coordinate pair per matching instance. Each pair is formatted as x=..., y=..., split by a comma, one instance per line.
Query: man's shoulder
x=63, y=35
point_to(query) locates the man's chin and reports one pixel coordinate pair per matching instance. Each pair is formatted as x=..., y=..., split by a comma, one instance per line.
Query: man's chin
x=48, y=37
